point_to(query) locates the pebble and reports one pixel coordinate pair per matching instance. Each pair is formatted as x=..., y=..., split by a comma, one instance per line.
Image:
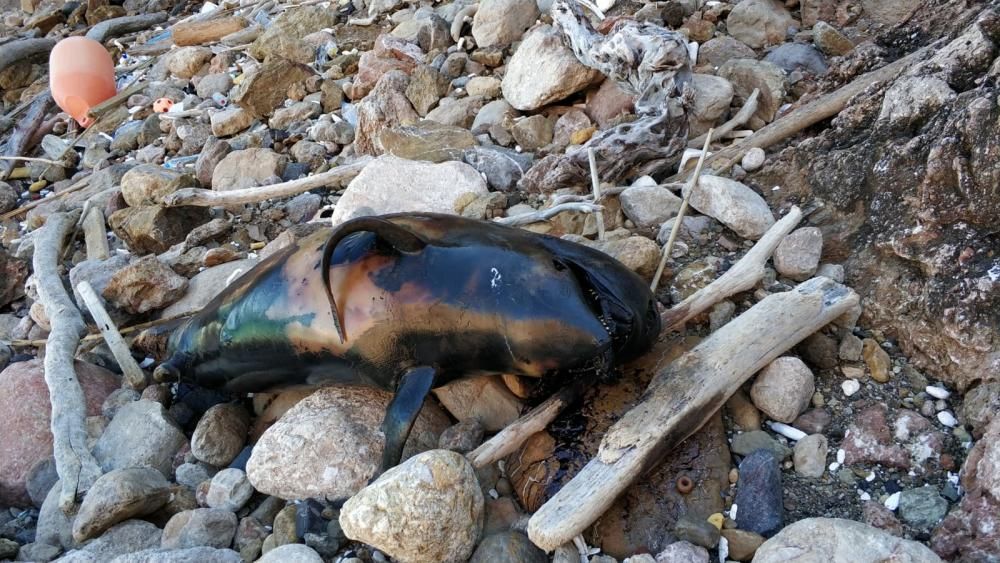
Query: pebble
x=892, y=501
x=682, y=552
x=142, y=433
x=797, y=255
x=753, y=160
x=922, y=508
x=783, y=389
x=759, y=494
x=430, y=507
x=211, y=527
x=543, y=70
x=117, y=496
x=850, y=387
x=733, y=204
x=230, y=490
x=220, y=434
x=817, y=539
x=649, y=206
x=462, y=437
x=810, y=455
x=697, y=531
x=877, y=359
x=291, y=553
x=948, y=419
x=937, y=392
x=509, y=546
x=742, y=544
x=748, y=442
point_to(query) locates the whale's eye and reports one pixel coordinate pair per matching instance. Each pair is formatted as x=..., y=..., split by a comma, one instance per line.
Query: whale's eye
x=559, y=266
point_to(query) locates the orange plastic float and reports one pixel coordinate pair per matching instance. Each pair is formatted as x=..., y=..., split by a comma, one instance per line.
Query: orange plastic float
x=162, y=105
x=81, y=75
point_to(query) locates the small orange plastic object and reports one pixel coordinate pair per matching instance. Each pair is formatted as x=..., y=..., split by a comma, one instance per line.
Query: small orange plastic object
x=163, y=105
x=81, y=75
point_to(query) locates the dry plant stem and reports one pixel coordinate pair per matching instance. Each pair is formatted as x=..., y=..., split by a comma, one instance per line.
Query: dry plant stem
x=682, y=397
x=825, y=107
x=595, y=184
x=693, y=182
x=17, y=51
x=95, y=337
x=742, y=276
x=509, y=439
x=546, y=214
x=121, y=97
x=204, y=198
x=134, y=378
x=746, y=112
x=82, y=183
x=75, y=465
x=32, y=159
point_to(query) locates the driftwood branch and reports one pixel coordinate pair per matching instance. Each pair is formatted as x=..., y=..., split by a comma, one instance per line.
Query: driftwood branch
x=741, y=277
x=810, y=114
x=679, y=219
x=134, y=377
x=746, y=112
x=510, y=438
x=95, y=235
x=17, y=51
x=125, y=24
x=75, y=465
x=79, y=185
x=331, y=178
x=546, y=214
x=682, y=397
x=206, y=31
x=595, y=186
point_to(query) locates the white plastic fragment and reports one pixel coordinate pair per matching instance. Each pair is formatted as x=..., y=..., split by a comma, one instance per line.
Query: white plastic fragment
x=787, y=431
x=841, y=456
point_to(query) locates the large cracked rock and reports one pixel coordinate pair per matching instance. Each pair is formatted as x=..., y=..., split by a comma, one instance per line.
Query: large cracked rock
x=912, y=207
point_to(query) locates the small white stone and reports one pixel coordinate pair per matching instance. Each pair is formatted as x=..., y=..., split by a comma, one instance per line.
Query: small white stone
x=892, y=503
x=732, y=512
x=753, y=159
x=834, y=466
x=937, y=392
x=787, y=431
x=850, y=387
x=946, y=418
x=870, y=477
x=865, y=496
x=723, y=550
x=841, y=456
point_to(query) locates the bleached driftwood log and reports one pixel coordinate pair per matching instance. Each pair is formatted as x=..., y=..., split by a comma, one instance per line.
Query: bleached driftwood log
x=645, y=60
x=509, y=439
x=336, y=177
x=741, y=277
x=116, y=27
x=75, y=465
x=207, y=31
x=682, y=397
x=24, y=49
x=95, y=235
x=133, y=375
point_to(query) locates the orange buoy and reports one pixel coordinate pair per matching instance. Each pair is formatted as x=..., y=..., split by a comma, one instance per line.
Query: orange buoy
x=81, y=75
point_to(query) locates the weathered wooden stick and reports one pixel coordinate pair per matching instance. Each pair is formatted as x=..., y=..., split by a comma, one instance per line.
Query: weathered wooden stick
x=17, y=51
x=32, y=159
x=692, y=185
x=509, y=439
x=746, y=112
x=104, y=107
x=75, y=466
x=331, y=178
x=95, y=234
x=595, y=186
x=207, y=31
x=125, y=24
x=545, y=214
x=79, y=185
x=97, y=336
x=682, y=397
x=825, y=107
x=741, y=277
x=134, y=377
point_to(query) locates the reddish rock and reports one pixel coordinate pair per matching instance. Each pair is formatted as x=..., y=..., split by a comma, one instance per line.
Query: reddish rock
x=24, y=420
x=909, y=442
x=608, y=102
x=13, y=272
x=390, y=53
x=877, y=515
x=971, y=532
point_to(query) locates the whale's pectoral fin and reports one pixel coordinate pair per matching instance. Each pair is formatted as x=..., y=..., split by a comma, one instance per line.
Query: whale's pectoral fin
x=410, y=393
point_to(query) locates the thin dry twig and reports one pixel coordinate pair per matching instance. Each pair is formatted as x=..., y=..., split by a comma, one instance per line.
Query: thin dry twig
x=595, y=185
x=693, y=182
x=545, y=214
x=33, y=159
x=133, y=375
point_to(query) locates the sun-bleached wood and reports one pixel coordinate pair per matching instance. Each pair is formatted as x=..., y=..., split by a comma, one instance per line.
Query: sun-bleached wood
x=334, y=178
x=95, y=235
x=76, y=467
x=745, y=274
x=682, y=397
x=133, y=375
x=207, y=31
